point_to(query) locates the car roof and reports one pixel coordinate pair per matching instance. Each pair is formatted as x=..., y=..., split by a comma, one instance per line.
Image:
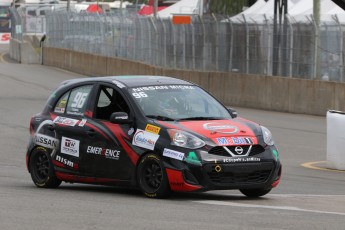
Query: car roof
x=131, y=80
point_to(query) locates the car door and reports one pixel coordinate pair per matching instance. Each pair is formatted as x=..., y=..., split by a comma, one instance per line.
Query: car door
x=108, y=153
x=69, y=125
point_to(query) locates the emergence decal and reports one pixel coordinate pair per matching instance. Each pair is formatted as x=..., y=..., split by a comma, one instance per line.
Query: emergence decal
x=70, y=146
x=107, y=153
x=145, y=139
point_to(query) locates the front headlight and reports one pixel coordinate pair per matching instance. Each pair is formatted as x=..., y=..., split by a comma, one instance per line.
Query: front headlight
x=268, y=139
x=184, y=139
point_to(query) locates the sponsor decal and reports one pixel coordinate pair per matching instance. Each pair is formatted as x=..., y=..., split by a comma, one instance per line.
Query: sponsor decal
x=152, y=129
x=275, y=153
x=107, y=153
x=70, y=146
x=130, y=131
x=65, y=121
x=122, y=117
x=234, y=141
x=46, y=141
x=162, y=87
x=192, y=158
x=82, y=122
x=173, y=154
x=221, y=128
x=145, y=139
x=42, y=127
x=242, y=159
x=59, y=110
x=119, y=84
x=5, y=38
x=64, y=161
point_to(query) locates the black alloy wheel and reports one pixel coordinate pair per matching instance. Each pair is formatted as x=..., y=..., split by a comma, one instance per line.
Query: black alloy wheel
x=152, y=177
x=42, y=169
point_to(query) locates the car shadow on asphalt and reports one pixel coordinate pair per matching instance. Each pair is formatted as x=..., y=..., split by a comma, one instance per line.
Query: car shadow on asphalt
x=174, y=196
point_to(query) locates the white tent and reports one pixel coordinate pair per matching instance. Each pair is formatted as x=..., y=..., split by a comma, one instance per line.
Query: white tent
x=181, y=7
x=300, y=10
x=260, y=11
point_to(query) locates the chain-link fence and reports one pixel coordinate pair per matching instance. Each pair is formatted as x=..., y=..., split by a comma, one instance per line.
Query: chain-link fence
x=209, y=43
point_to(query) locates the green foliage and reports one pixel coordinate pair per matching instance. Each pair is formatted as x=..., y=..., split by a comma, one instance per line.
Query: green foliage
x=227, y=7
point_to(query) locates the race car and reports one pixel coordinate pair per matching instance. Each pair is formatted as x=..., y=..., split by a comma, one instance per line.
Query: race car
x=155, y=133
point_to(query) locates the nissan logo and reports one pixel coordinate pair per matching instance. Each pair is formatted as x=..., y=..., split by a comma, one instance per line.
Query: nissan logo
x=239, y=150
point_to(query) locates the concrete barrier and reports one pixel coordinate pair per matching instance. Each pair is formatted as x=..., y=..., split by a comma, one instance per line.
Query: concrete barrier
x=26, y=51
x=15, y=49
x=283, y=94
x=335, y=140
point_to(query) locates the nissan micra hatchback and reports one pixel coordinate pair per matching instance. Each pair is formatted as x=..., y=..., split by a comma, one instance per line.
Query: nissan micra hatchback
x=158, y=134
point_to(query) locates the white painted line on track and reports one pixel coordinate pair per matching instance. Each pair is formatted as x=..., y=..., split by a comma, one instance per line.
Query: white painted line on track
x=285, y=208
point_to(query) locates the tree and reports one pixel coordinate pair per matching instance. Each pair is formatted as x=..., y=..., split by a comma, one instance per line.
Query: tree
x=227, y=7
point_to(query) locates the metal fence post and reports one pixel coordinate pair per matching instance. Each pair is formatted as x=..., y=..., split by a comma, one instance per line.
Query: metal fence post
x=247, y=44
x=341, y=48
x=231, y=43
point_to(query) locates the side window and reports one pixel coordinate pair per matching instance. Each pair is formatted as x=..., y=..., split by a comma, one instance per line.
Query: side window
x=77, y=100
x=108, y=102
x=61, y=104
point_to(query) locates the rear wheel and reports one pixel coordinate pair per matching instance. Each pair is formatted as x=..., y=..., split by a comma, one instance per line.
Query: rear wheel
x=255, y=192
x=42, y=169
x=152, y=178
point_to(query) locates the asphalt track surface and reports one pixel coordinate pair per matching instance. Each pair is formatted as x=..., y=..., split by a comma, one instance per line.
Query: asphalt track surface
x=305, y=199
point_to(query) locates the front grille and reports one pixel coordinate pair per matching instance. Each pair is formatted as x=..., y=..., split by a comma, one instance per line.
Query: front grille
x=233, y=178
x=221, y=151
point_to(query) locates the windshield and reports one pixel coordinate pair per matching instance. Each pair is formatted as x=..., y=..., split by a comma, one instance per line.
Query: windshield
x=178, y=102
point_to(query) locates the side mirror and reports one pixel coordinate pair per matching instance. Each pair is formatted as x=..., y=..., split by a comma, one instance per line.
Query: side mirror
x=119, y=118
x=232, y=112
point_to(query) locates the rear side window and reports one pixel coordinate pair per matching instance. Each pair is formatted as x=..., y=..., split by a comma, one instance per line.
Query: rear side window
x=74, y=101
x=61, y=105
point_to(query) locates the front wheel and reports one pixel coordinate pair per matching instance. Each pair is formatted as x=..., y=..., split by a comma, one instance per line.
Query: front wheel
x=152, y=178
x=42, y=169
x=255, y=192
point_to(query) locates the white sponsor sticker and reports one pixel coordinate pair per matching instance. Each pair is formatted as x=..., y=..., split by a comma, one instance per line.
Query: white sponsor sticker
x=46, y=141
x=119, y=84
x=145, y=139
x=65, y=121
x=70, y=146
x=82, y=122
x=173, y=154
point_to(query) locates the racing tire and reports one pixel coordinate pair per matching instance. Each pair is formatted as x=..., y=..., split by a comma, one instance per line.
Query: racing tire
x=152, y=177
x=42, y=169
x=253, y=193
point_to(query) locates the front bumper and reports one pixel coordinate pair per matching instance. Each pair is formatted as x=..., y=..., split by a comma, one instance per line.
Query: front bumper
x=263, y=171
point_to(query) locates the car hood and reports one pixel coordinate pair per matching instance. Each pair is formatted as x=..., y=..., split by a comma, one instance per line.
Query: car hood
x=221, y=132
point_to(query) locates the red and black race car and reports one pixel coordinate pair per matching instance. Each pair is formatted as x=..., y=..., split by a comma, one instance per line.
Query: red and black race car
x=159, y=134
